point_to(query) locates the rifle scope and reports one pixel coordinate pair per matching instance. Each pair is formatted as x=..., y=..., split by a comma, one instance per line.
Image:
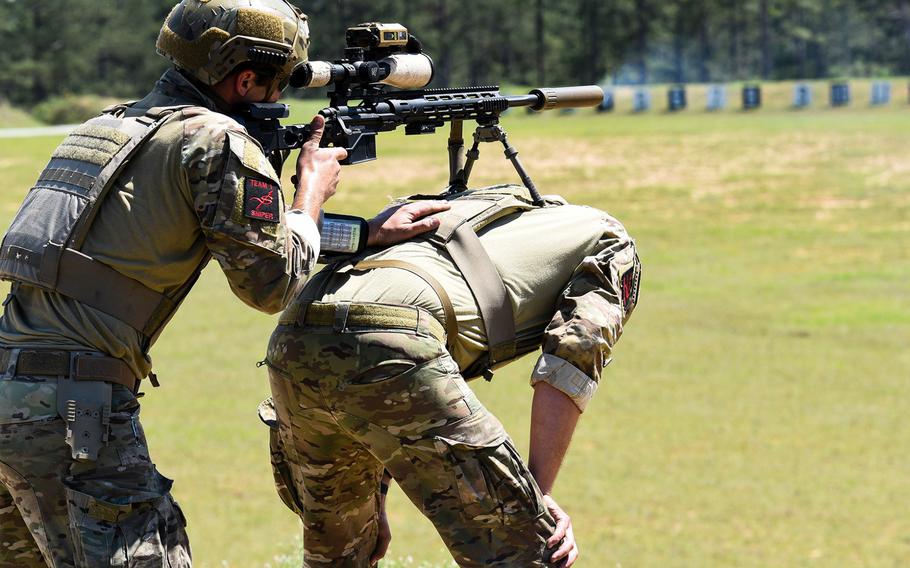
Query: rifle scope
x=400, y=70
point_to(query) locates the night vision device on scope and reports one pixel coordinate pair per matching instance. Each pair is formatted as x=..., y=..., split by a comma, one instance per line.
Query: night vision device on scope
x=377, y=54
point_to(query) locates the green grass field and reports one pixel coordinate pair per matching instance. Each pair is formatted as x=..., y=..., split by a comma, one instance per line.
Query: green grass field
x=756, y=412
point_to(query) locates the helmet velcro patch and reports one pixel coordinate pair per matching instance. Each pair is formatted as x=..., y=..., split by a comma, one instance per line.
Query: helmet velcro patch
x=259, y=24
x=191, y=55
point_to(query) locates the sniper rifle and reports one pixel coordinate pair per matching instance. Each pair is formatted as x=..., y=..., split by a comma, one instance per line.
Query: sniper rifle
x=385, y=70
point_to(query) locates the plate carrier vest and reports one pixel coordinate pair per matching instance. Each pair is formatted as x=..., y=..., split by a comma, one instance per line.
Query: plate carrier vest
x=43, y=244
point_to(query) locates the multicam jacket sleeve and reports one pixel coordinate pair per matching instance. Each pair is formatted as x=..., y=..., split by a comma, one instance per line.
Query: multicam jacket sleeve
x=594, y=306
x=265, y=251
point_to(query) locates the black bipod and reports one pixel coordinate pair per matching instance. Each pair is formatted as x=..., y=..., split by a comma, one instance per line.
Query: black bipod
x=461, y=163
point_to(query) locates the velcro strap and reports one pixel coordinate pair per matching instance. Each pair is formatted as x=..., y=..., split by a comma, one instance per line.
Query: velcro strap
x=104, y=369
x=43, y=363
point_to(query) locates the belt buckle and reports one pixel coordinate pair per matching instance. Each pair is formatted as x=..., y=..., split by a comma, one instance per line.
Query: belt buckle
x=342, y=309
x=74, y=362
x=11, y=362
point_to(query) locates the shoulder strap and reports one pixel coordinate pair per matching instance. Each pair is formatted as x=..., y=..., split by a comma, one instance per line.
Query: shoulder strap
x=457, y=234
x=488, y=289
x=139, y=130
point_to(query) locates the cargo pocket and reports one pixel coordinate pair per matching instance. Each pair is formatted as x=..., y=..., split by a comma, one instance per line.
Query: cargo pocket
x=281, y=466
x=493, y=484
x=148, y=533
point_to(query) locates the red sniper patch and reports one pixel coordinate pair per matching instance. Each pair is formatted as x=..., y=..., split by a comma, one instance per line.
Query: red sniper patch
x=260, y=200
x=630, y=283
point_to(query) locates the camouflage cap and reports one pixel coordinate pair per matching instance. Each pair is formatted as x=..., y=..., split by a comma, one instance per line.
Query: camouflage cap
x=209, y=38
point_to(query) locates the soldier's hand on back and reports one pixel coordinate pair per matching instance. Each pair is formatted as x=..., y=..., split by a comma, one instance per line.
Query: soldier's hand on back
x=400, y=223
x=563, y=539
x=318, y=172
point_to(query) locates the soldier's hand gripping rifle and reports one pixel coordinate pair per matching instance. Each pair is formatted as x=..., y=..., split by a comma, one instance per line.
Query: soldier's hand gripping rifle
x=385, y=70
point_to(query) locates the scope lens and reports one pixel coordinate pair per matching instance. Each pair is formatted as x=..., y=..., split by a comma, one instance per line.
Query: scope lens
x=301, y=76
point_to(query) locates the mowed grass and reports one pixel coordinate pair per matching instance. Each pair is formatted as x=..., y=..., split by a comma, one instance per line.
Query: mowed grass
x=756, y=410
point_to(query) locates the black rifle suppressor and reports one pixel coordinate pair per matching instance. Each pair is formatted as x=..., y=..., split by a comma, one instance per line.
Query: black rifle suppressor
x=354, y=128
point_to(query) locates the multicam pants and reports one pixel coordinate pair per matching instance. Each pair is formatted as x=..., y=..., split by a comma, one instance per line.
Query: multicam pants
x=58, y=512
x=354, y=402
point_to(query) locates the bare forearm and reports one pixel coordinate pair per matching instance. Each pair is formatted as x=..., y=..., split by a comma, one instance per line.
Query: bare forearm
x=318, y=171
x=553, y=420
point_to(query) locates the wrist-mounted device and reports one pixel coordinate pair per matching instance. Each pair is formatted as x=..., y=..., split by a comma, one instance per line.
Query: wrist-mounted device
x=342, y=234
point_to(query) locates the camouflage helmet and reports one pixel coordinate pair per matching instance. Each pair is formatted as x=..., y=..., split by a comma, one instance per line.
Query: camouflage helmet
x=209, y=38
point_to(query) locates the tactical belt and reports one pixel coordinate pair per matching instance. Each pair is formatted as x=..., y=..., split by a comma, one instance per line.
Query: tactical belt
x=79, y=366
x=349, y=316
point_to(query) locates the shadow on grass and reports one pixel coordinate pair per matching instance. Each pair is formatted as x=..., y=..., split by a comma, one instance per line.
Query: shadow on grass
x=295, y=560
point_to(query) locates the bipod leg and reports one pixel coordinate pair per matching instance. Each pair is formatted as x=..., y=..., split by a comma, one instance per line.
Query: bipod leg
x=472, y=156
x=512, y=154
x=457, y=179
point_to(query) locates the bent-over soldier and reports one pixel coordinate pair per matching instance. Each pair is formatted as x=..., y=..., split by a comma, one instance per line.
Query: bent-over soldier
x=368, y=369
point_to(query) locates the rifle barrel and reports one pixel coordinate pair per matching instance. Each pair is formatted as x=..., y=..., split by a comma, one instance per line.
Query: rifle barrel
x=567, y=97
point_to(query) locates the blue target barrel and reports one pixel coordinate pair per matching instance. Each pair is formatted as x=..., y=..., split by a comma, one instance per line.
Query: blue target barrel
x=608, y=103
x=751, y=97
x=881, y=93
x=641, y=100
x=717, y=98
x=676, y=98
x=802, y=95
x=840, y=94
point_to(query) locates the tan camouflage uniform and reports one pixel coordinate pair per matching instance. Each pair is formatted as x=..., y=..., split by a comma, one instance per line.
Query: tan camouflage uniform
x=180, y=200
x=354, y=399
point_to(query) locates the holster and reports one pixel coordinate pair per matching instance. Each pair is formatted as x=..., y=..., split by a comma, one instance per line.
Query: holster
x=85, y=407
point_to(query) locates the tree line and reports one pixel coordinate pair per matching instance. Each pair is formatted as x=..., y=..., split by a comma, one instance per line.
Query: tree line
x=55, y=47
